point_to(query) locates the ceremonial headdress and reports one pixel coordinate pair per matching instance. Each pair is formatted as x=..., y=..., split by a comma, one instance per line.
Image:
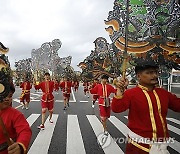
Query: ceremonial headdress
x=104, y=77
x=6, y=83
x=143, y=64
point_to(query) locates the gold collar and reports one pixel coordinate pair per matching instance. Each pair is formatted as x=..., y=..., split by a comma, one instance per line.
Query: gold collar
x=143, y=88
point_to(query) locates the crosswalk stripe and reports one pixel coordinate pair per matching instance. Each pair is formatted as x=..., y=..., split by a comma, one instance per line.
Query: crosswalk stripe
x=174, y=120
x=97, y=128
x=173, y=129
x=75, y=143
x=16, y=100
x=119, y=125
x=176, y=144
x=36, y=94
x=74, y=99
x=32, y=118
x=35, y=100
x=84, y=101
x=63, y=101
x=43, y=139
x=18, y=106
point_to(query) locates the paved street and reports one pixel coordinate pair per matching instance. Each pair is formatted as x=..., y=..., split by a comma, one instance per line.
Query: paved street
x=78, y=130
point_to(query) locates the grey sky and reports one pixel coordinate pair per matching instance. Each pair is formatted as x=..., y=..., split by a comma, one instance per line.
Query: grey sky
x=26, y=24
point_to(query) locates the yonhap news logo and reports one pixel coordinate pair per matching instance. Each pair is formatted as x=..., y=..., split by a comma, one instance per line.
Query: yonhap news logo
x=104, y=140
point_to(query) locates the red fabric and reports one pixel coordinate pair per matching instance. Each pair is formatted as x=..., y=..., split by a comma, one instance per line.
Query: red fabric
x=47, y=88
x=86, y=86
x=76, y=85
x=26, y=98
x=94, y=84
x=68, y=88
x=26, y=85
x=99, y=91
x=139, y=117
x=95, y=96
x=56, y=86
x=66, y=95
x=17, y=127
x=104, y=111
x=49, y=105
x=25, y=95
x=131, y=149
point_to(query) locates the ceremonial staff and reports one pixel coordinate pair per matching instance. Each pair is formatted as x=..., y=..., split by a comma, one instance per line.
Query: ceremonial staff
x=125, y=54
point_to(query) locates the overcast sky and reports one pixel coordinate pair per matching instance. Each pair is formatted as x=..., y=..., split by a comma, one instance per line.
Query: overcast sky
x=26, y=24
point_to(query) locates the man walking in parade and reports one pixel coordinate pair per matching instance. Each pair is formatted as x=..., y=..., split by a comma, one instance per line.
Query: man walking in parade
x=66, y=88
x=25, y=95
x=148, y=106
x=76, y=85
x=103, y=91
x=95, y=96
x=86, y=88
x=47, y=100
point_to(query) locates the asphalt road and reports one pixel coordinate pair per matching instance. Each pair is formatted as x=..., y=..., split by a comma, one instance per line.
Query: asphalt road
x=78, y=130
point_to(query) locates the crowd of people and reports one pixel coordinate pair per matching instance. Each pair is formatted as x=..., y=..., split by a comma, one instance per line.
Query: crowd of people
x=147, y=103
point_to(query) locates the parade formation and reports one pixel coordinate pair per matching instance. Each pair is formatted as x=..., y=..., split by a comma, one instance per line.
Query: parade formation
x=123, y=76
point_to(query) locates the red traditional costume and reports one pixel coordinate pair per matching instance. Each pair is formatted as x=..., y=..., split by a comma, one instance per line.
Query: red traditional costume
x=86, y=87
x=47, y=100
x=17, y=128
x=95, y=96
x=25, y=95
x=66, y=88
x=76, y=85
x=103, y=92
x=147, y=115
x=56, y=85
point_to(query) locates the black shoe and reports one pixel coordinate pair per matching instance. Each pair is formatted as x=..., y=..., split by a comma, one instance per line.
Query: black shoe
x=65, y=108
x=68, y=104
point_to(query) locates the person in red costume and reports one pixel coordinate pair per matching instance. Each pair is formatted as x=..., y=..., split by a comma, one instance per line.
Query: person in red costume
x=15, y=133
x=148, y=106
x=25, y=95
x=56, y=85
x=47, y=100
x=86, y=88
x=66, y=88
x=95, y=96
x=76, y=85
x=103, y=91
x=17, y=128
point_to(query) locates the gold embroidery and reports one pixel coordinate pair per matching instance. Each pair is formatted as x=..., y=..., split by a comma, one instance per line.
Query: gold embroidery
x=138, y=145
x=118, y=97
x=159, y=111
x=151, y=114
x=142, y=87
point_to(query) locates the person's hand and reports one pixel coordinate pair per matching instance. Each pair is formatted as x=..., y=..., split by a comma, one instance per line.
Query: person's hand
x=14, y=148
x=122, y=83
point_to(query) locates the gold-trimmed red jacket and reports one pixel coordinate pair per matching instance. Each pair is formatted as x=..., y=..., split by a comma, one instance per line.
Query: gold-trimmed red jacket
x=147, y=110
